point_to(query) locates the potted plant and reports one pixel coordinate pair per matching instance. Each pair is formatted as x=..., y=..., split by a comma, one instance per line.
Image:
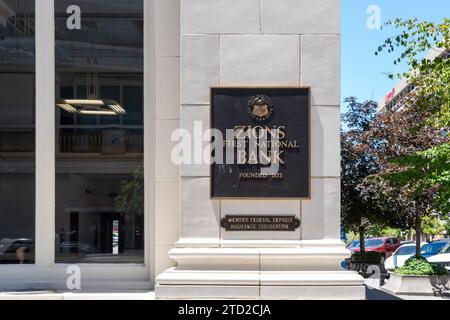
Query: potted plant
x=419, y=277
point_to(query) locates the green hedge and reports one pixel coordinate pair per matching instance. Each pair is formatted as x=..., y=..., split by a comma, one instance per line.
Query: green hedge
x=419, y=266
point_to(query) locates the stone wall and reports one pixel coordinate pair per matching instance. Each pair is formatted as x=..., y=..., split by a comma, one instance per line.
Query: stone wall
x=167, y=78
x=262, y=42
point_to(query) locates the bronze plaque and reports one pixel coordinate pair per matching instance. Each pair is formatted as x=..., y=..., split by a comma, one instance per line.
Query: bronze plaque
x=270, y=125
x=261, y=223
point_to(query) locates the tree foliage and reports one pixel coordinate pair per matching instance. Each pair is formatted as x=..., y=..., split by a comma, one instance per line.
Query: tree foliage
x=396, y=164
x=415, y=138
x=413, y=141
x=420, y=44
x=367, y=143
x=357, y=162
x=130, y=201
x=432, y=226
x=446, y=220
x=366, y=204
x=378, y=230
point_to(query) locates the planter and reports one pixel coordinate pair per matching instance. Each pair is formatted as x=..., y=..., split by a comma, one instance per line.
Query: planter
x=418, y=285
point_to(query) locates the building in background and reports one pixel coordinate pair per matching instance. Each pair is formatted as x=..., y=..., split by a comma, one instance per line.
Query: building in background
x=392, y=101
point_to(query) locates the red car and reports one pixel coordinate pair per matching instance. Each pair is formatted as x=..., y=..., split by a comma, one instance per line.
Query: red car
x=385, y=245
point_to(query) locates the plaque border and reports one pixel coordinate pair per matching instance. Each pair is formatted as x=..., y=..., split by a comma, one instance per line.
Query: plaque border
x=264, y=86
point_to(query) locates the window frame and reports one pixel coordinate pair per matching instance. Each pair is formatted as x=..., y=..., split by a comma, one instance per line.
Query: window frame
x=45, y=271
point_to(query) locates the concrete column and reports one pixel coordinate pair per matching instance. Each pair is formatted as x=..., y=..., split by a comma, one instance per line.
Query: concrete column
x=261, y=42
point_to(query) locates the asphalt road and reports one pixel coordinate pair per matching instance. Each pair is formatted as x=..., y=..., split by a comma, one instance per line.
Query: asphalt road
x=374, y=294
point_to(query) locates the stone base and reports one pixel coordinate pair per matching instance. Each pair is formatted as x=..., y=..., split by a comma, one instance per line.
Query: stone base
x=257, y=293
x=300, y=273
x=417, y=285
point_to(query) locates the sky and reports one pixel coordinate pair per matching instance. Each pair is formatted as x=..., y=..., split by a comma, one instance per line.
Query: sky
x=363, y=73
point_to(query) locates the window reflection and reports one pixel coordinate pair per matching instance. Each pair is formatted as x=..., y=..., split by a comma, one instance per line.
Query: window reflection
x=99, y=112
x=17, y=125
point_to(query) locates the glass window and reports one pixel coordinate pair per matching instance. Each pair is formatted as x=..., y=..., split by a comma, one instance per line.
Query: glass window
x=406, y=251
x=17, y=127
x=432, y=248
x=446, y=249
x=374, y=243
x=99, y=112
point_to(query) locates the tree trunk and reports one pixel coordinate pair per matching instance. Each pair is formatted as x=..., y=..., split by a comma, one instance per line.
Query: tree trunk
x=418, y=233
x=362, y=243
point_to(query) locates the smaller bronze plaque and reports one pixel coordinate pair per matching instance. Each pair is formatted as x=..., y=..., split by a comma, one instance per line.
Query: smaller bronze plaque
x=261, y=223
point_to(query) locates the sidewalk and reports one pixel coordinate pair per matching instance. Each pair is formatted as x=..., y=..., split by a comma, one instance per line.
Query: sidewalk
x=53, y=295
x=372, y=293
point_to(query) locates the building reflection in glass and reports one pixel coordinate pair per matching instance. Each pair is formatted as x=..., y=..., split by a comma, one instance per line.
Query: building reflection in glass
x=17, y=131
x=99, y=112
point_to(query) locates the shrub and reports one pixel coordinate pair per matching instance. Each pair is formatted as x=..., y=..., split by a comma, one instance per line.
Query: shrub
x=419, y=266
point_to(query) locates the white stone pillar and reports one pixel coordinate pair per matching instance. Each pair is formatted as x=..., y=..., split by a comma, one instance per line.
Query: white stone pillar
x=262, y=42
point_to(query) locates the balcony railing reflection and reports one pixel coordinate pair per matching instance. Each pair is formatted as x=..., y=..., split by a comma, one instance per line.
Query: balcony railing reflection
x=17, y=142
x=114, y=142
x=103, y=142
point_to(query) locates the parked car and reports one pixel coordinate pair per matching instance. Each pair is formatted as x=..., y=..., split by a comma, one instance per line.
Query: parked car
x=16, y=251
x=75, y=247
x=385, y=245
x=443, y=258
x=402, y=254
x=405, y=252
x=352, y=245
x=433, y=248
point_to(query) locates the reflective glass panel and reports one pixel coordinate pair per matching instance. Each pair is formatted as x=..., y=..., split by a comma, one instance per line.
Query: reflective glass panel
x=99, y=112
x=17, y=131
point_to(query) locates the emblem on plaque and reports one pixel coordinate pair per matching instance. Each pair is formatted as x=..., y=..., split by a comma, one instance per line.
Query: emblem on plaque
x=260, y=108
